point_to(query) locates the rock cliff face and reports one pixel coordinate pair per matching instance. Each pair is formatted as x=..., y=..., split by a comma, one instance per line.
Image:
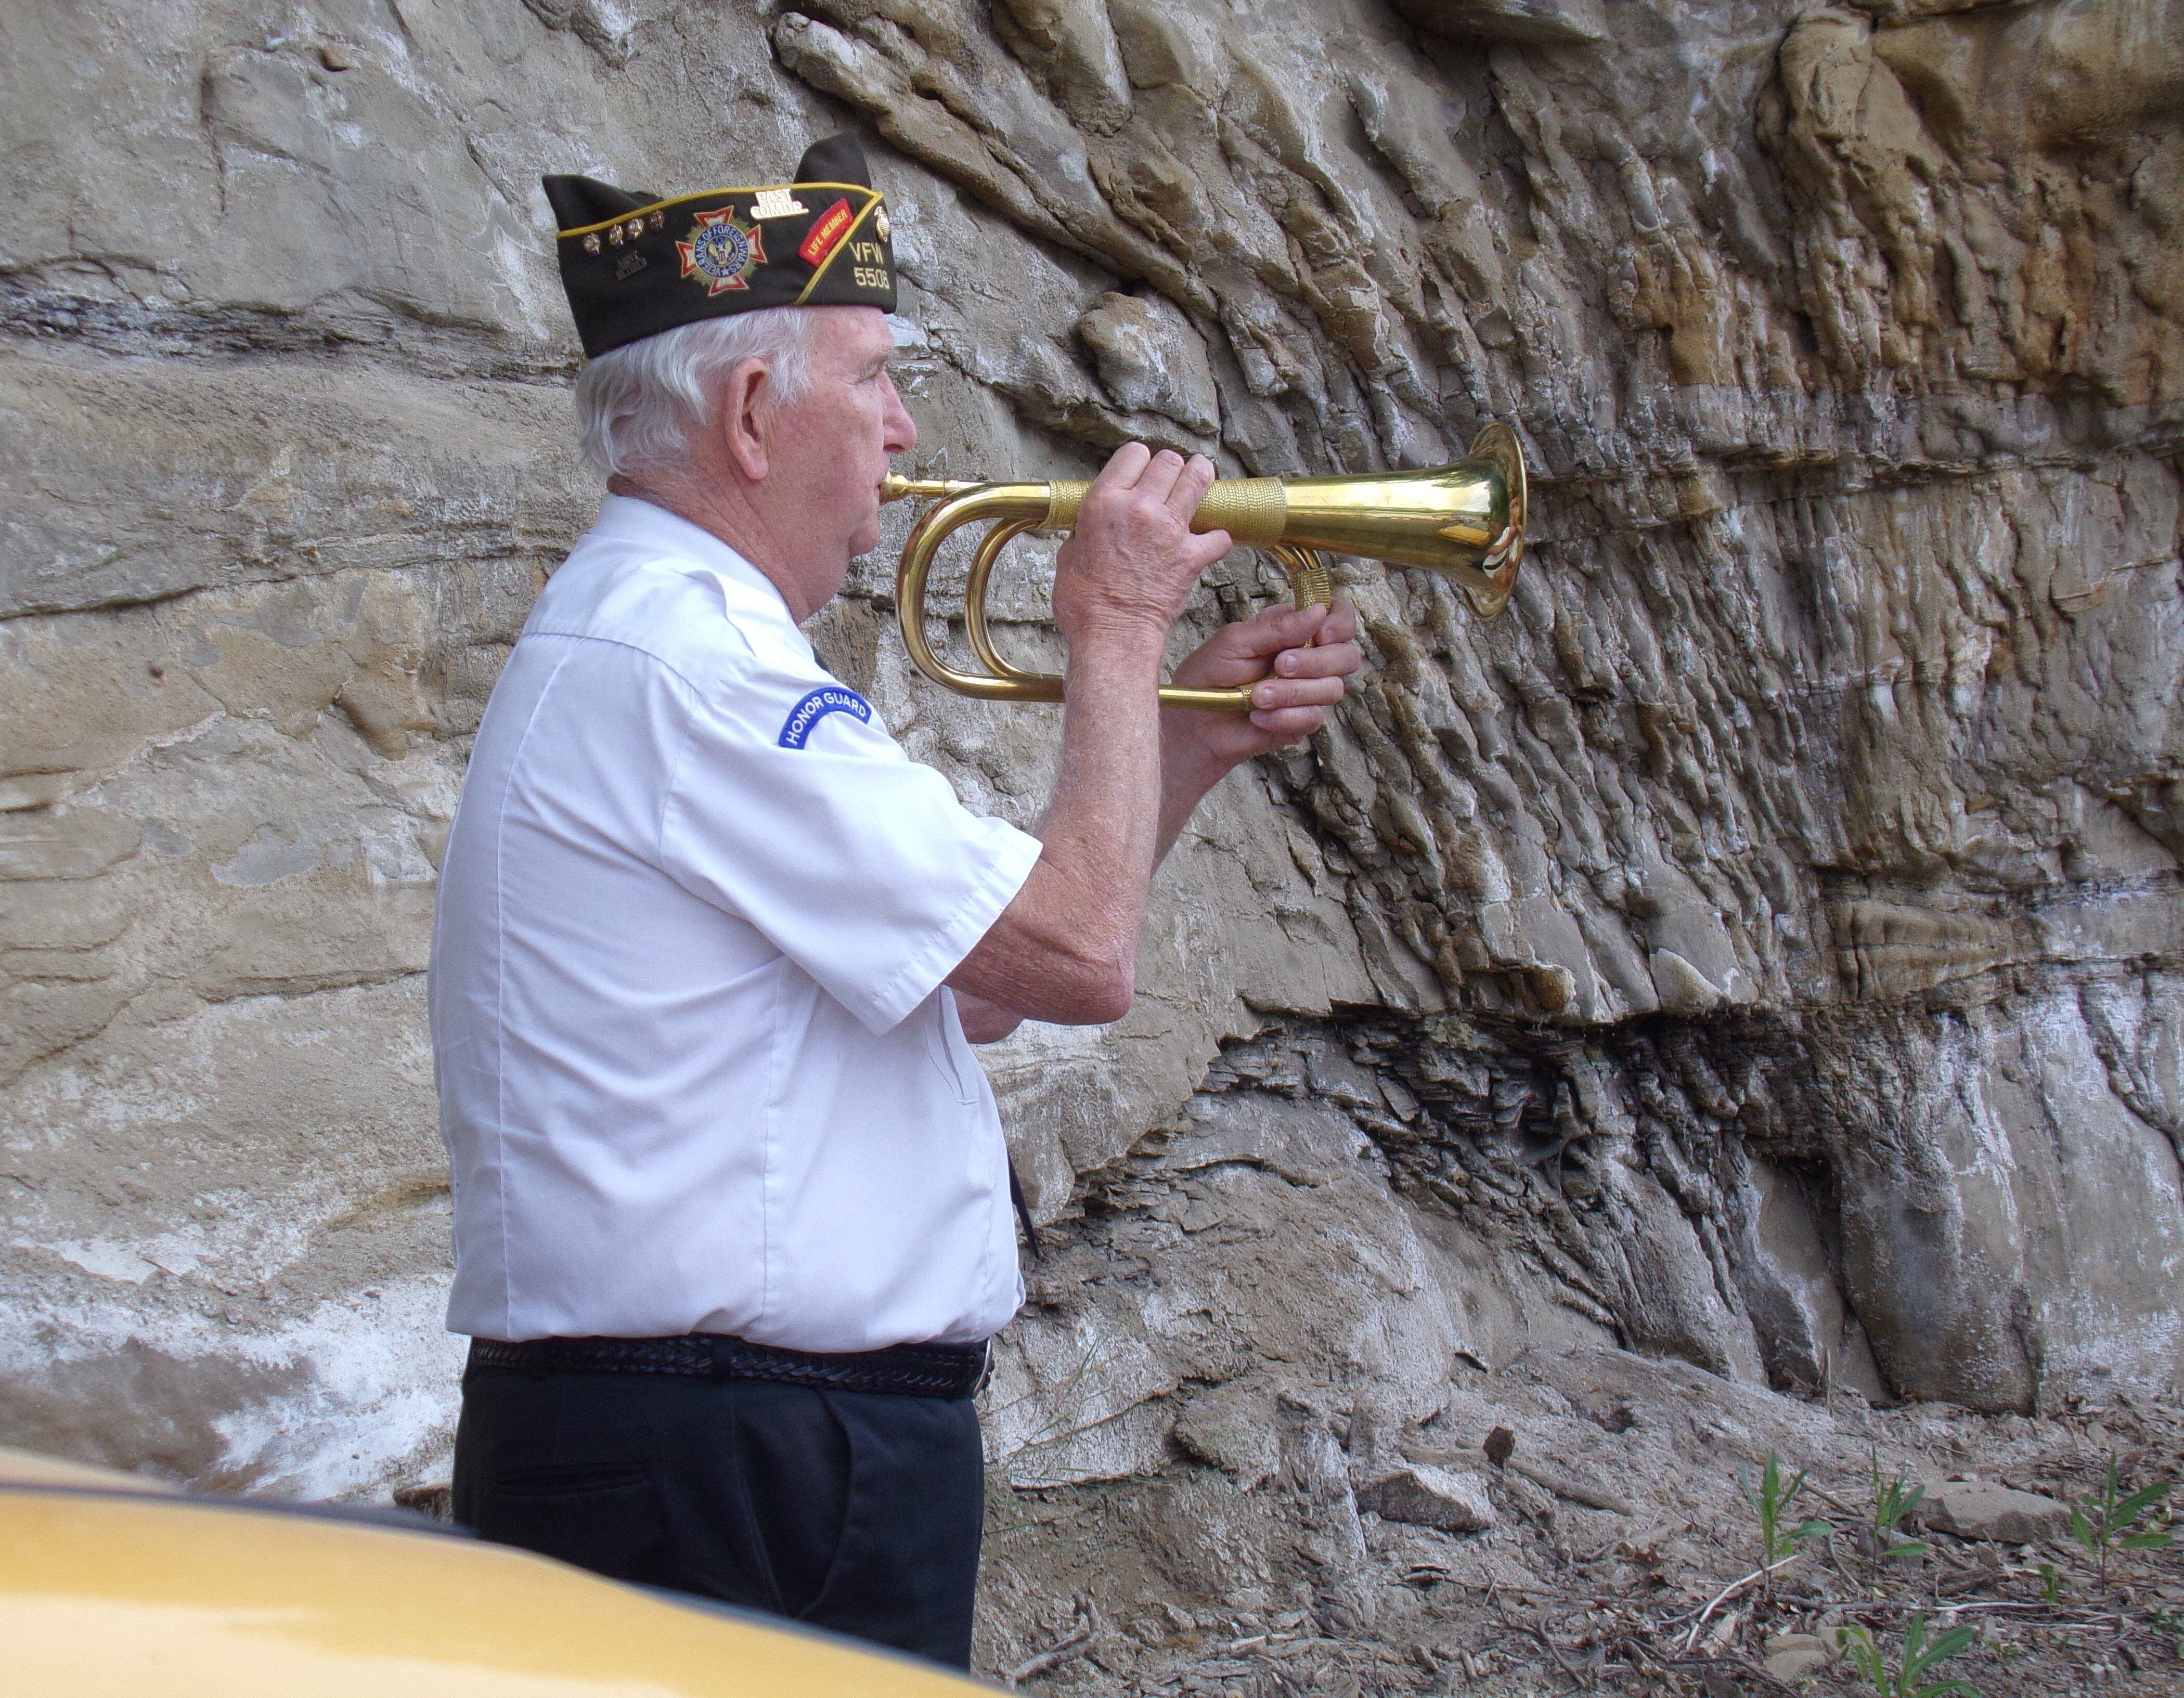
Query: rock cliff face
x=1761, y=947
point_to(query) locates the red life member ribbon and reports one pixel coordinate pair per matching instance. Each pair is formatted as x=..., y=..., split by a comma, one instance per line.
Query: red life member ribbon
x=834, y=224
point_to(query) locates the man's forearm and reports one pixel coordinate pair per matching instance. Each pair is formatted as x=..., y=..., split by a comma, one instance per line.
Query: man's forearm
x=1104, y=824
x=1187, y=773
x=1068, y=949
x=1188, y=776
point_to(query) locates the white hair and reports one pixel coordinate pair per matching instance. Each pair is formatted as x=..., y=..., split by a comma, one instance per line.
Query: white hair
x=640, y=407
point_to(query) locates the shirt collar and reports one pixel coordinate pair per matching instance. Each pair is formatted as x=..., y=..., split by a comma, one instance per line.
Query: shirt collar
x=631, y=519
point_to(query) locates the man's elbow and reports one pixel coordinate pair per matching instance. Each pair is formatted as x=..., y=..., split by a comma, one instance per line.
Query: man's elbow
x=1093, y=989
x=1108, y=997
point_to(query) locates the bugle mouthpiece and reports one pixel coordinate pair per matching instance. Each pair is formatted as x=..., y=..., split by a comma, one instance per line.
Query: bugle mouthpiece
x=894, y=488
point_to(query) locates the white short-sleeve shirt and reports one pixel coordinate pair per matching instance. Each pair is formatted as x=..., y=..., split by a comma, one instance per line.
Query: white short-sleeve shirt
x=698, y=1070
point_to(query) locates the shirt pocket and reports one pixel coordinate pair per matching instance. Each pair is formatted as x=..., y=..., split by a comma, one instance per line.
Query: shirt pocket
x=950, y=1052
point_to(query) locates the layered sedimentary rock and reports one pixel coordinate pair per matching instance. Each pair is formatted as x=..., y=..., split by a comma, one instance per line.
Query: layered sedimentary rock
x=1760, y=948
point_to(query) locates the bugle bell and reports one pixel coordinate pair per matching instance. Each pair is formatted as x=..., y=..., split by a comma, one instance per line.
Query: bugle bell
x=1465, y=521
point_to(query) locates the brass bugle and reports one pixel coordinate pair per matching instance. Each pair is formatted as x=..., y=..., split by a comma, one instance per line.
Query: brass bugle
x=1464, y=521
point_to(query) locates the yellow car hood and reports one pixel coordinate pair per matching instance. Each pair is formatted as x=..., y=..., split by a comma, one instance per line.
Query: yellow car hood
x=110, y=1585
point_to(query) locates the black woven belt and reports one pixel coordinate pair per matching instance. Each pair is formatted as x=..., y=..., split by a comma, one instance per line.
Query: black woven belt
x=918, y=1370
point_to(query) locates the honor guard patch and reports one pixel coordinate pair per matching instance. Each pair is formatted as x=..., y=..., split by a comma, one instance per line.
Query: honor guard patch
x=832, y=698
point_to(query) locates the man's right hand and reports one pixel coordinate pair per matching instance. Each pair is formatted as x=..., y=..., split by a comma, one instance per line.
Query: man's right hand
x=1132, y=563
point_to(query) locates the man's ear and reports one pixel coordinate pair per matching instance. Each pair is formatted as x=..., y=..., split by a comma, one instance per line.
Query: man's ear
x=746, y=418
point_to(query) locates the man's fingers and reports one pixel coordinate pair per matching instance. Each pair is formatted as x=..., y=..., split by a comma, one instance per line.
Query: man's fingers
x=1125, y=466
x=1191, y=484
x=1296, y=693
x=1307, y=642
x=1289, y=725
x=1339, y=661
x=1267, y=634
x=1207, y=548
x=1157, y=481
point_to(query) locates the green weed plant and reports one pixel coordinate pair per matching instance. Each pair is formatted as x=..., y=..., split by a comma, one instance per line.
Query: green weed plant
x=1781, y=1537
x=1911, y=1676
x=2103, y=1522
x=1892, y=1501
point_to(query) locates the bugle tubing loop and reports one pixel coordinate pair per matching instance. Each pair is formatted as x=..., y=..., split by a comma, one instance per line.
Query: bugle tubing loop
x=1464, y=521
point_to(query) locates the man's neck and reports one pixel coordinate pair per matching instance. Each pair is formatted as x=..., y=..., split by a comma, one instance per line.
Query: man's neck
x=726, y=513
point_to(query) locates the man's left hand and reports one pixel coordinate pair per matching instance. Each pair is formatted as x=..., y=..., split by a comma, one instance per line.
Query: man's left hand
x=1294, y=658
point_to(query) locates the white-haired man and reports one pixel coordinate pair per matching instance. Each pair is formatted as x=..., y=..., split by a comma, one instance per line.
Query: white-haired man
x=732, y=1199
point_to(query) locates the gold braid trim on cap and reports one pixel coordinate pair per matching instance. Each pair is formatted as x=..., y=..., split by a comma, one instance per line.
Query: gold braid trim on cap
x=662, y=206
x=841, y=247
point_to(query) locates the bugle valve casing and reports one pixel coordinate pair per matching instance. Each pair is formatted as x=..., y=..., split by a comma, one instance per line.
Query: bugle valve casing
x=1464, y=521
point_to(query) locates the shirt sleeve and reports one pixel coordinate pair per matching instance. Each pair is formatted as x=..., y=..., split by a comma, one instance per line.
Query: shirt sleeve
x=791, y=807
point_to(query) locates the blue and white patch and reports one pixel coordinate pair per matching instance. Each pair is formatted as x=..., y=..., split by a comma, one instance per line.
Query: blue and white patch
x=832, y=698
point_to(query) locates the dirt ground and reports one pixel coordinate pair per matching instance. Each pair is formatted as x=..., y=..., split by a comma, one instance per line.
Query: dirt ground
x=1195, y=1582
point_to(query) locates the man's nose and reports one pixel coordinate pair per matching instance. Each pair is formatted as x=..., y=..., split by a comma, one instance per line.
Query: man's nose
x=901, y=429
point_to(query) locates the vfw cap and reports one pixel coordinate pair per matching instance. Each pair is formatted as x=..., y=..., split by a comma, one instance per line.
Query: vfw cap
x=635, y=264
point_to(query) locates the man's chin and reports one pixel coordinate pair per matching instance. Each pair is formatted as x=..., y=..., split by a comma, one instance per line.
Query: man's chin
x=837, y=578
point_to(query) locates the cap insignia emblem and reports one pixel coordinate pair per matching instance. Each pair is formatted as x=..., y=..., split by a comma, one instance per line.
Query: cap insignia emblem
x=881, y=225
x=721, y=251
x=592, y=243
x=776, y=203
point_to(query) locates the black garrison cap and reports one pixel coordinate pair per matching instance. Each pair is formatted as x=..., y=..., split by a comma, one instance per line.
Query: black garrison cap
x=635, y=264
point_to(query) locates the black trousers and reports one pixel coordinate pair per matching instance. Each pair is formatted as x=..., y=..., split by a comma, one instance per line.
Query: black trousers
x=858, y=1511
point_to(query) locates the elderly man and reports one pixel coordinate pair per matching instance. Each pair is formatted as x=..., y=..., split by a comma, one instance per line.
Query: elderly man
x=732, y=1199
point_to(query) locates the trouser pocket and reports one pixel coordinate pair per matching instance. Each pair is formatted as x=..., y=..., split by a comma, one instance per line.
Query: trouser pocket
x=603, y=1517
